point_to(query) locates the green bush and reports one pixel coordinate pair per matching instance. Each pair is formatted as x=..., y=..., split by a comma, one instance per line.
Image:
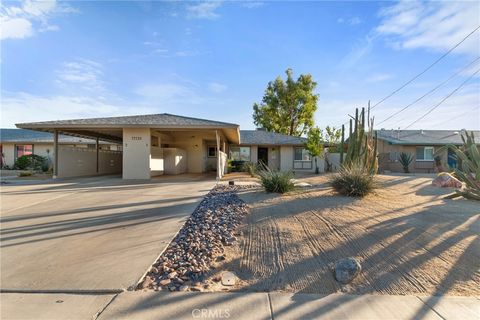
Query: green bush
x=31, y=161
x=235, y=166
x=353, y=180
x=25, y=174
x=276, y=181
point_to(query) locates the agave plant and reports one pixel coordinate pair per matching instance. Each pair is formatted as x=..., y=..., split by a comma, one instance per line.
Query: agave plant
x=405, y=159
x=468, y=169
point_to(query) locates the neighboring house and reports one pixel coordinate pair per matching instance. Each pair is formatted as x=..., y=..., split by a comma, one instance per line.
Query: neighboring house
x=168, y=144
x=422, y=144
x=277, y=151
x=15, y=143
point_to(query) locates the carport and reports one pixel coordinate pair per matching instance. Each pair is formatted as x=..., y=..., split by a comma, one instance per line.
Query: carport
x=150, y=145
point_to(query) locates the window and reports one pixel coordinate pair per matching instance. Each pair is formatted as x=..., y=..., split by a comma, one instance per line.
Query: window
x=302, y=159
x=425, y=153
x=301, y=154
x=240, y=153
x=212, y=152
x=23, y=150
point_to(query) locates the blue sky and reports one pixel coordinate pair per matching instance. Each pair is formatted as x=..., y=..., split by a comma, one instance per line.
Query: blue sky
x=63, y=60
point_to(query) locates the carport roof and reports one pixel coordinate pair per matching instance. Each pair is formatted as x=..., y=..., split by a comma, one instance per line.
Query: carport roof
x=147, y=120
x=110, y=128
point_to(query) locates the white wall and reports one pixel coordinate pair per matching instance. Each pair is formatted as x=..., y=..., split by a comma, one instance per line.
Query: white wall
x=334, y=159
x=136, y=153
x=175, y=160
x=156, y=161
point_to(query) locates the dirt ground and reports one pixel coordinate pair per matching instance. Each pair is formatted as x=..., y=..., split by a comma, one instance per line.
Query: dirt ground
x=408, y=239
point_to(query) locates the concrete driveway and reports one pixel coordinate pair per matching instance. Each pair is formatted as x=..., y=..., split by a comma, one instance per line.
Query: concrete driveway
x=91, y=234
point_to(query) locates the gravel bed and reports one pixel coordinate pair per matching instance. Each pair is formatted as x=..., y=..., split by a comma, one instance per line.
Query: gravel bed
x=200, y=242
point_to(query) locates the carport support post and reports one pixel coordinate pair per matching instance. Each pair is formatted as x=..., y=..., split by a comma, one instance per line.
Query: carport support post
x=218, y=155
x=96, y=150
x=55, y=153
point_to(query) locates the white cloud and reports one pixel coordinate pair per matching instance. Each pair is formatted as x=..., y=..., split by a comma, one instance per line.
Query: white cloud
x=204, y=10
x=22, y=21
x=217, y=87
x=81, y=73
x=23, y=107
x=432, y=25
x=16, y=28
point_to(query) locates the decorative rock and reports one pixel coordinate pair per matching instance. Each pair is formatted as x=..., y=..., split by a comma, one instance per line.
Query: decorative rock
x=199, y=244
x=347, y=269
x=229, y=278
x=446, y=180
x=183, y=288
x=146, y=282
x=165, y=282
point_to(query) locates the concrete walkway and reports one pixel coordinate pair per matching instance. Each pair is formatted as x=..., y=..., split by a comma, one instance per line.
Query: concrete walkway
x=262, y=306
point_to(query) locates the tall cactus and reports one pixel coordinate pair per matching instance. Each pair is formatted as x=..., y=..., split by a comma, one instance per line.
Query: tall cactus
x=362, y=145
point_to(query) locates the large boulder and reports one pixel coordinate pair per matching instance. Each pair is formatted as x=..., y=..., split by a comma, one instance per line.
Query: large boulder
x=446, y=180
x=347, y=269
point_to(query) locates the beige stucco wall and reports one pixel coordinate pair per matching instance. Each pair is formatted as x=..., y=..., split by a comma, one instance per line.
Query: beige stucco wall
x=254, y=154
x=286, y=158
x=77, y=162
x=8, y=150
x=175, y=160
x=136, y=153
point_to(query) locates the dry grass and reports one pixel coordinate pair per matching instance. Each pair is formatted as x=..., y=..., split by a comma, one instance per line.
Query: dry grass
x=407, y=237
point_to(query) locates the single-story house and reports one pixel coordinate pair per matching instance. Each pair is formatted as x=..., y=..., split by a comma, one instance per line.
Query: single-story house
x=160, y=144
x=423, y=145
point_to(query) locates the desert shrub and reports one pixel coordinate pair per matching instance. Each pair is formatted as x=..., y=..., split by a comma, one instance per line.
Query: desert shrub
x=353, y=180
x=405, y=159
x=31, y=161
x=275, y=180
x=251, y=168
x=25, y=174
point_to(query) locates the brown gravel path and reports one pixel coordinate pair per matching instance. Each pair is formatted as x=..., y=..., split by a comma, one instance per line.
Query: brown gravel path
x=407, y=238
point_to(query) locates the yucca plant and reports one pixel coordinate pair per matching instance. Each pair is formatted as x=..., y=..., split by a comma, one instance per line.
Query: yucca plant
x=251, y=168
x=468, y=169
x=405, y=159
x=275, y=180
x=353, y=180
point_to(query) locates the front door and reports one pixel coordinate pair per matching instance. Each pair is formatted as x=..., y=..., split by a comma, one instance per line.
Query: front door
x=451, y=159
x=263, y=156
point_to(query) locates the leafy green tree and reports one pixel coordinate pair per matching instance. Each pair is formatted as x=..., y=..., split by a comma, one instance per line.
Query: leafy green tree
x=287, y=106
x=333, y=136
x=314, y=144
